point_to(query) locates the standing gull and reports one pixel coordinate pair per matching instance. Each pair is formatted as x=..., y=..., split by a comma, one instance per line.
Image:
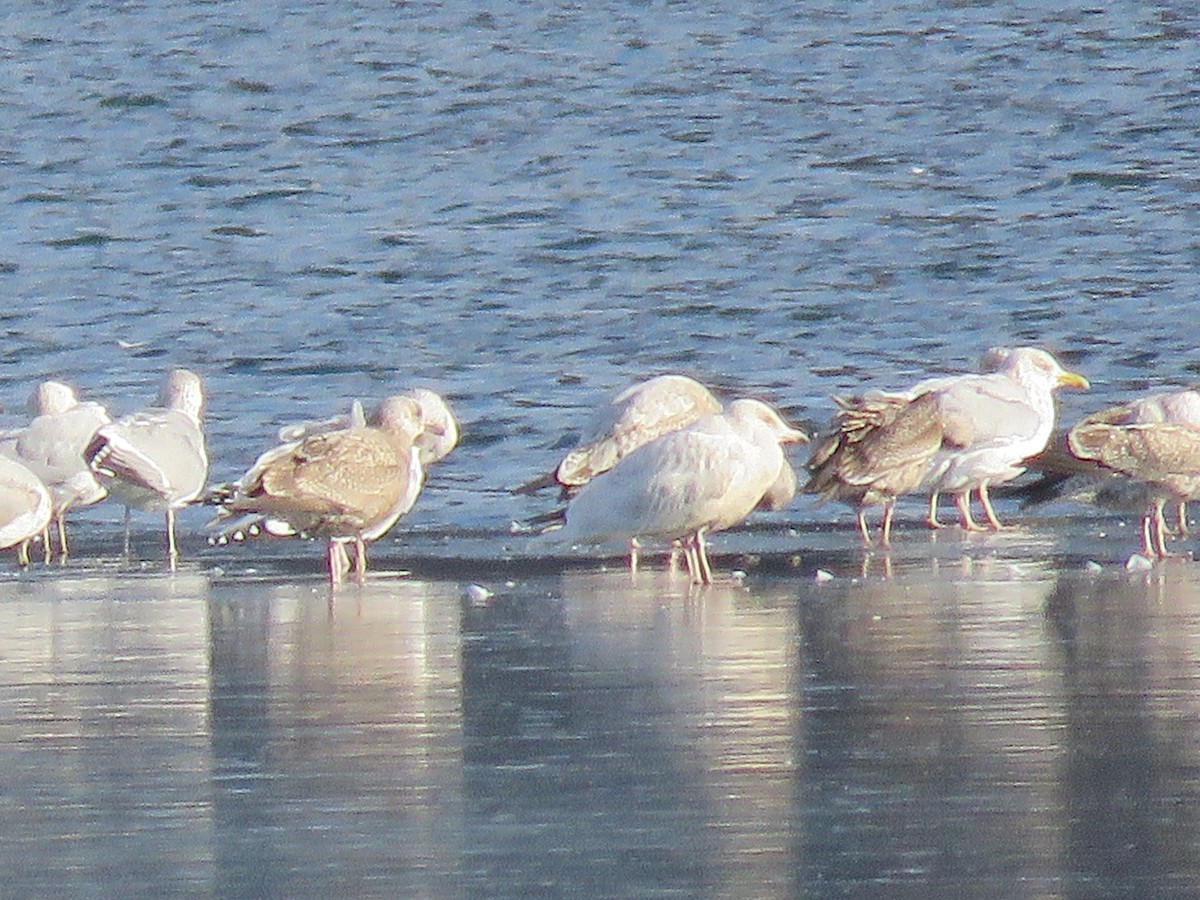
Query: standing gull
x=994, y=422
x=348, y=486
x=877, y=450
x=156, y=459
x=25, y=507
x=686, y=484
x=957, y=433
x=52, y=446
x=1141, y=454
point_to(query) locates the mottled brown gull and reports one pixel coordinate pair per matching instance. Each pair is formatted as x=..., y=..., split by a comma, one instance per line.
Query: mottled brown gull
x=1144, y=453
x=439, y=428
x=156, y=459
x=686, y=484
x=348, y=485
x=877, y=450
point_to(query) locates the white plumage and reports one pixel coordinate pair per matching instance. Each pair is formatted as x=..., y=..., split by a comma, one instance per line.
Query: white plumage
x=25, y=507
x=992, y=423
x=156, y=459
x=52, y=446
x=686, y=484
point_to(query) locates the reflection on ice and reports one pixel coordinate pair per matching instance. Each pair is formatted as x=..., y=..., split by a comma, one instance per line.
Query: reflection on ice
x=631, y=733
x=939, y=733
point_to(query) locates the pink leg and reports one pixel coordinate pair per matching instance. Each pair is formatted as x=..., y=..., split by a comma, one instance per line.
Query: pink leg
x=863, y=528
x=993, y=521
x=932, y=518
x=962, y=501
x=888, y=511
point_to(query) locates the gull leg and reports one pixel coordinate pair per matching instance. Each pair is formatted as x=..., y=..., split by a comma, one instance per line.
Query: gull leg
x=633, y=555
x=932, y=518
x=1147, y=543
x=962, y=501
x=360, y=559
x=689, y=558
x=1160, y=528
x=339, y=562
x=47, y=551
x=1181, y=514
x=172, y=551
x=863, y=528
x=23, y=554
x=702, y=555
x=889, y=510
x=127, y=526
x=62, y=536
x=993, y=521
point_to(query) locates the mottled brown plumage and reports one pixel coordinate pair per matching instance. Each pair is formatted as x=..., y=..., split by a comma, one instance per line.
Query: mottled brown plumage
x=878, y=449
x=349, y=485
x=1163, y=457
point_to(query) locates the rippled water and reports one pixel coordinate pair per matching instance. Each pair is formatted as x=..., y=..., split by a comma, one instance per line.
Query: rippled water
x=525, y=208
x=528, y=207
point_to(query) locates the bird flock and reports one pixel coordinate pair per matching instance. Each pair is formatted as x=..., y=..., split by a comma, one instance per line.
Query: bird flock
x=665, y=461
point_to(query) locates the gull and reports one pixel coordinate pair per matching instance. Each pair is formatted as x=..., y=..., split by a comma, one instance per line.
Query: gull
x=52, y=447
x=958, y=433
x=347, y=485
x=25, y=507
x=878, y=449
x=156, y=459
x=994, y=422
x=439, y=429
x=636, y=415
x=1143, y=453
x=438, y=434
x=686, y=484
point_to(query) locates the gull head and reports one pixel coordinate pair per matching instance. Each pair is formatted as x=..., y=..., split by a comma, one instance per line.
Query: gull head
x=183, y=391
x=755, y=413
x=52, y=398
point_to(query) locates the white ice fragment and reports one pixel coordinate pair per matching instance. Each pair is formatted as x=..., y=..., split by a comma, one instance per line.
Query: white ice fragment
x=1138, y=563
x=477, y=594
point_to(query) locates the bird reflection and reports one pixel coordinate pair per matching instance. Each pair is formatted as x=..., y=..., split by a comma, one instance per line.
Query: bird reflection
x=1131, y=649
x=923, y=709
x=663, y=718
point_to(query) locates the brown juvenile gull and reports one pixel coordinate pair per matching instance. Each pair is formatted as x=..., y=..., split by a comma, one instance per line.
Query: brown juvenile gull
x=439, y=428
x=438, y=435
x=1143, y=454
x=25, y=507
x=686, y=484
x=878, y=449
x=52, y=446
x=347, y=486
x=156, y=459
